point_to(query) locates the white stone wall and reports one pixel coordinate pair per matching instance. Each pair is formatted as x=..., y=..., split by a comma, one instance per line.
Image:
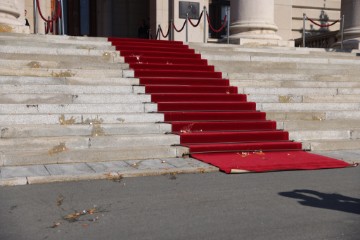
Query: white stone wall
x=289, y=15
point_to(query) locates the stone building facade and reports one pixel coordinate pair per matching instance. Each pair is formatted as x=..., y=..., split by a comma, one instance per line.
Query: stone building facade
x=255, y=19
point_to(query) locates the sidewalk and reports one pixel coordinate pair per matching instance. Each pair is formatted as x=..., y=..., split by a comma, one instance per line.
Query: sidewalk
x=35, y=174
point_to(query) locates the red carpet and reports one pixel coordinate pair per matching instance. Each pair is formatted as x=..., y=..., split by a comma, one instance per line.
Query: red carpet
x=218, y=125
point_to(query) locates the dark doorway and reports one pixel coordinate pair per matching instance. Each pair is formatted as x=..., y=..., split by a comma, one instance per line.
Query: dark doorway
x=217, y=11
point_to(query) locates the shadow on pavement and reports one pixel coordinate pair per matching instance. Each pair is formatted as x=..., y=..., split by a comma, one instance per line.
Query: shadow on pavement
x=331, y=201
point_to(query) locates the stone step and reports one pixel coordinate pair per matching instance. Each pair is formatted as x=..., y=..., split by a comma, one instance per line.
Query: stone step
x=329, y=145
x=270, y=49
x=295, y=84
x=69, y=119
x=313, y=115
x=28, y=80
x=51, y=144
x=292, y=77
x=31, y=99
x=58, y=51
x=234, y=56
x=287, y=91
x=89, y=129
x=308, y=107
x=313, y=135
x=256, y=67
x=58, y=72
x=342, y=124
x=80, y=64
x=69, y=89
x=290, y=98
x=91, y=108
x=110, y=57
x=91, y=155
x=52, y=38
x=88, y=45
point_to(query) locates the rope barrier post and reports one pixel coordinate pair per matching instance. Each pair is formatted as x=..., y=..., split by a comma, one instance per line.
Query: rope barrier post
x=171, y=30
x=304, y=19
x=35, y=18
x=59, y=20
x=342, y=31
x=228, y=25
x=158, y=31
x=187, y=28
x=204, y=11
x=62, y=18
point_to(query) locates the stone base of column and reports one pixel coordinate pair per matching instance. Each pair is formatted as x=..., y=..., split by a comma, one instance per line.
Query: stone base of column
x=14, y=28
x=349, y=44
x=258, y=42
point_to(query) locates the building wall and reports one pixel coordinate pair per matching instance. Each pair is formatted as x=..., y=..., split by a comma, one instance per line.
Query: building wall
x=289, y=15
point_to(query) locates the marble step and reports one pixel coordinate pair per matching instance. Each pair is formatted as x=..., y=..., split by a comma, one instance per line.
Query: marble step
x=69, y=119
x=308, y=107
x=331, y=145
x=55, y=98
x=342, y=124
x=80, y=64
x=69, y=89
x=90, y=129
x=313, y=115
x=295, y=84
x=29, y=80
x=89, y=108
x=91, y=155
x=83, y=142
x=292, y=77
x=290, y=98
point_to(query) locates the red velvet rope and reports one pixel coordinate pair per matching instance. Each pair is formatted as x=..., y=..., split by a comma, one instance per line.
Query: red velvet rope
x=57, y=16
x=182, y=28
x=323, y=25
x=195, y=25
x=162, y=33
x=213, y=29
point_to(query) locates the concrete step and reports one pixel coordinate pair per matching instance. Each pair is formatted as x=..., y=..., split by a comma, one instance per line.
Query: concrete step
x=28, y=80
x=58, y=72
x=287, y=91
x=313, y=135
x=234, y=77
x=313, y=115
x=89, y=129
x=58, y=51
x=290, y=98
x=52, y=38
x=80, y=64
x=88, y=45
x=314, y=125
x=270, y=49
x=91, y=108
x=308, y=107
x=287, y=68
x=73, y=99
x=83, y=142
x=69, y=89
x=91, y=155
x=70, y=119
x=110, y=57
x=295, y=84
x=330, y=145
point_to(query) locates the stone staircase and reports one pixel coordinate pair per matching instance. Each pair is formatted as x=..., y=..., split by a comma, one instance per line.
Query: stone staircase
x=72, y=100
x=312, y=93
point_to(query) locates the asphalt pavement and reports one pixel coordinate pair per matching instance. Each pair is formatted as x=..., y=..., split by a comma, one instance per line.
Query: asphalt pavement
x=321, y=204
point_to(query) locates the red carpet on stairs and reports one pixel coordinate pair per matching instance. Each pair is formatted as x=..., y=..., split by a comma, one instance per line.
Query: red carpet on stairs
x=218, y=125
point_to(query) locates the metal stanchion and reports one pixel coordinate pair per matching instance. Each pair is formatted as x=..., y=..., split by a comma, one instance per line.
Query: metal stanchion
x=187, y=28
x=342, y=31
x=171, y=30
x=158, y=31
x=304, y=19
x=62, y=18
x=35, y=18
x=204, y=24
x=228, y=25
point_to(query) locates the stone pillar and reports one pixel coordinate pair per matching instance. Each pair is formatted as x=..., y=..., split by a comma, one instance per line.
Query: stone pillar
x=253, y=22
x=12, y=16
x=351, y=10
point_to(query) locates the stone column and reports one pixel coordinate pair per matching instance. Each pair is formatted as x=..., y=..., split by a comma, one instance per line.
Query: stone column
x=351, y=10
x=253, y=22
x=12, y=16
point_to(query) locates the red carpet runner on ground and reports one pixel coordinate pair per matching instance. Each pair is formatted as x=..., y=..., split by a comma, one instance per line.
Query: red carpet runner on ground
x=216, y=123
